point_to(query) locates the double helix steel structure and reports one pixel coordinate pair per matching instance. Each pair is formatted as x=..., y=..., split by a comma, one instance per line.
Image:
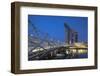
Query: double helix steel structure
x=38, y=40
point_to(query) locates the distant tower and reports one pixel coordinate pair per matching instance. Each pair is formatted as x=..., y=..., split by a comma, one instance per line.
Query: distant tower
x=71, y=36
x=67, y=33
x=76, y=37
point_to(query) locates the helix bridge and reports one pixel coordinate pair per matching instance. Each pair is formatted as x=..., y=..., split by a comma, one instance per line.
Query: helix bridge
x=43, y=47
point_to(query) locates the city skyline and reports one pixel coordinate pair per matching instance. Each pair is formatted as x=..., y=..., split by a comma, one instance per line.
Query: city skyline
x=54, y=26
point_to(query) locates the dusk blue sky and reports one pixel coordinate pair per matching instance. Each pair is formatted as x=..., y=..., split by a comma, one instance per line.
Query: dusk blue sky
x=54, y=25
